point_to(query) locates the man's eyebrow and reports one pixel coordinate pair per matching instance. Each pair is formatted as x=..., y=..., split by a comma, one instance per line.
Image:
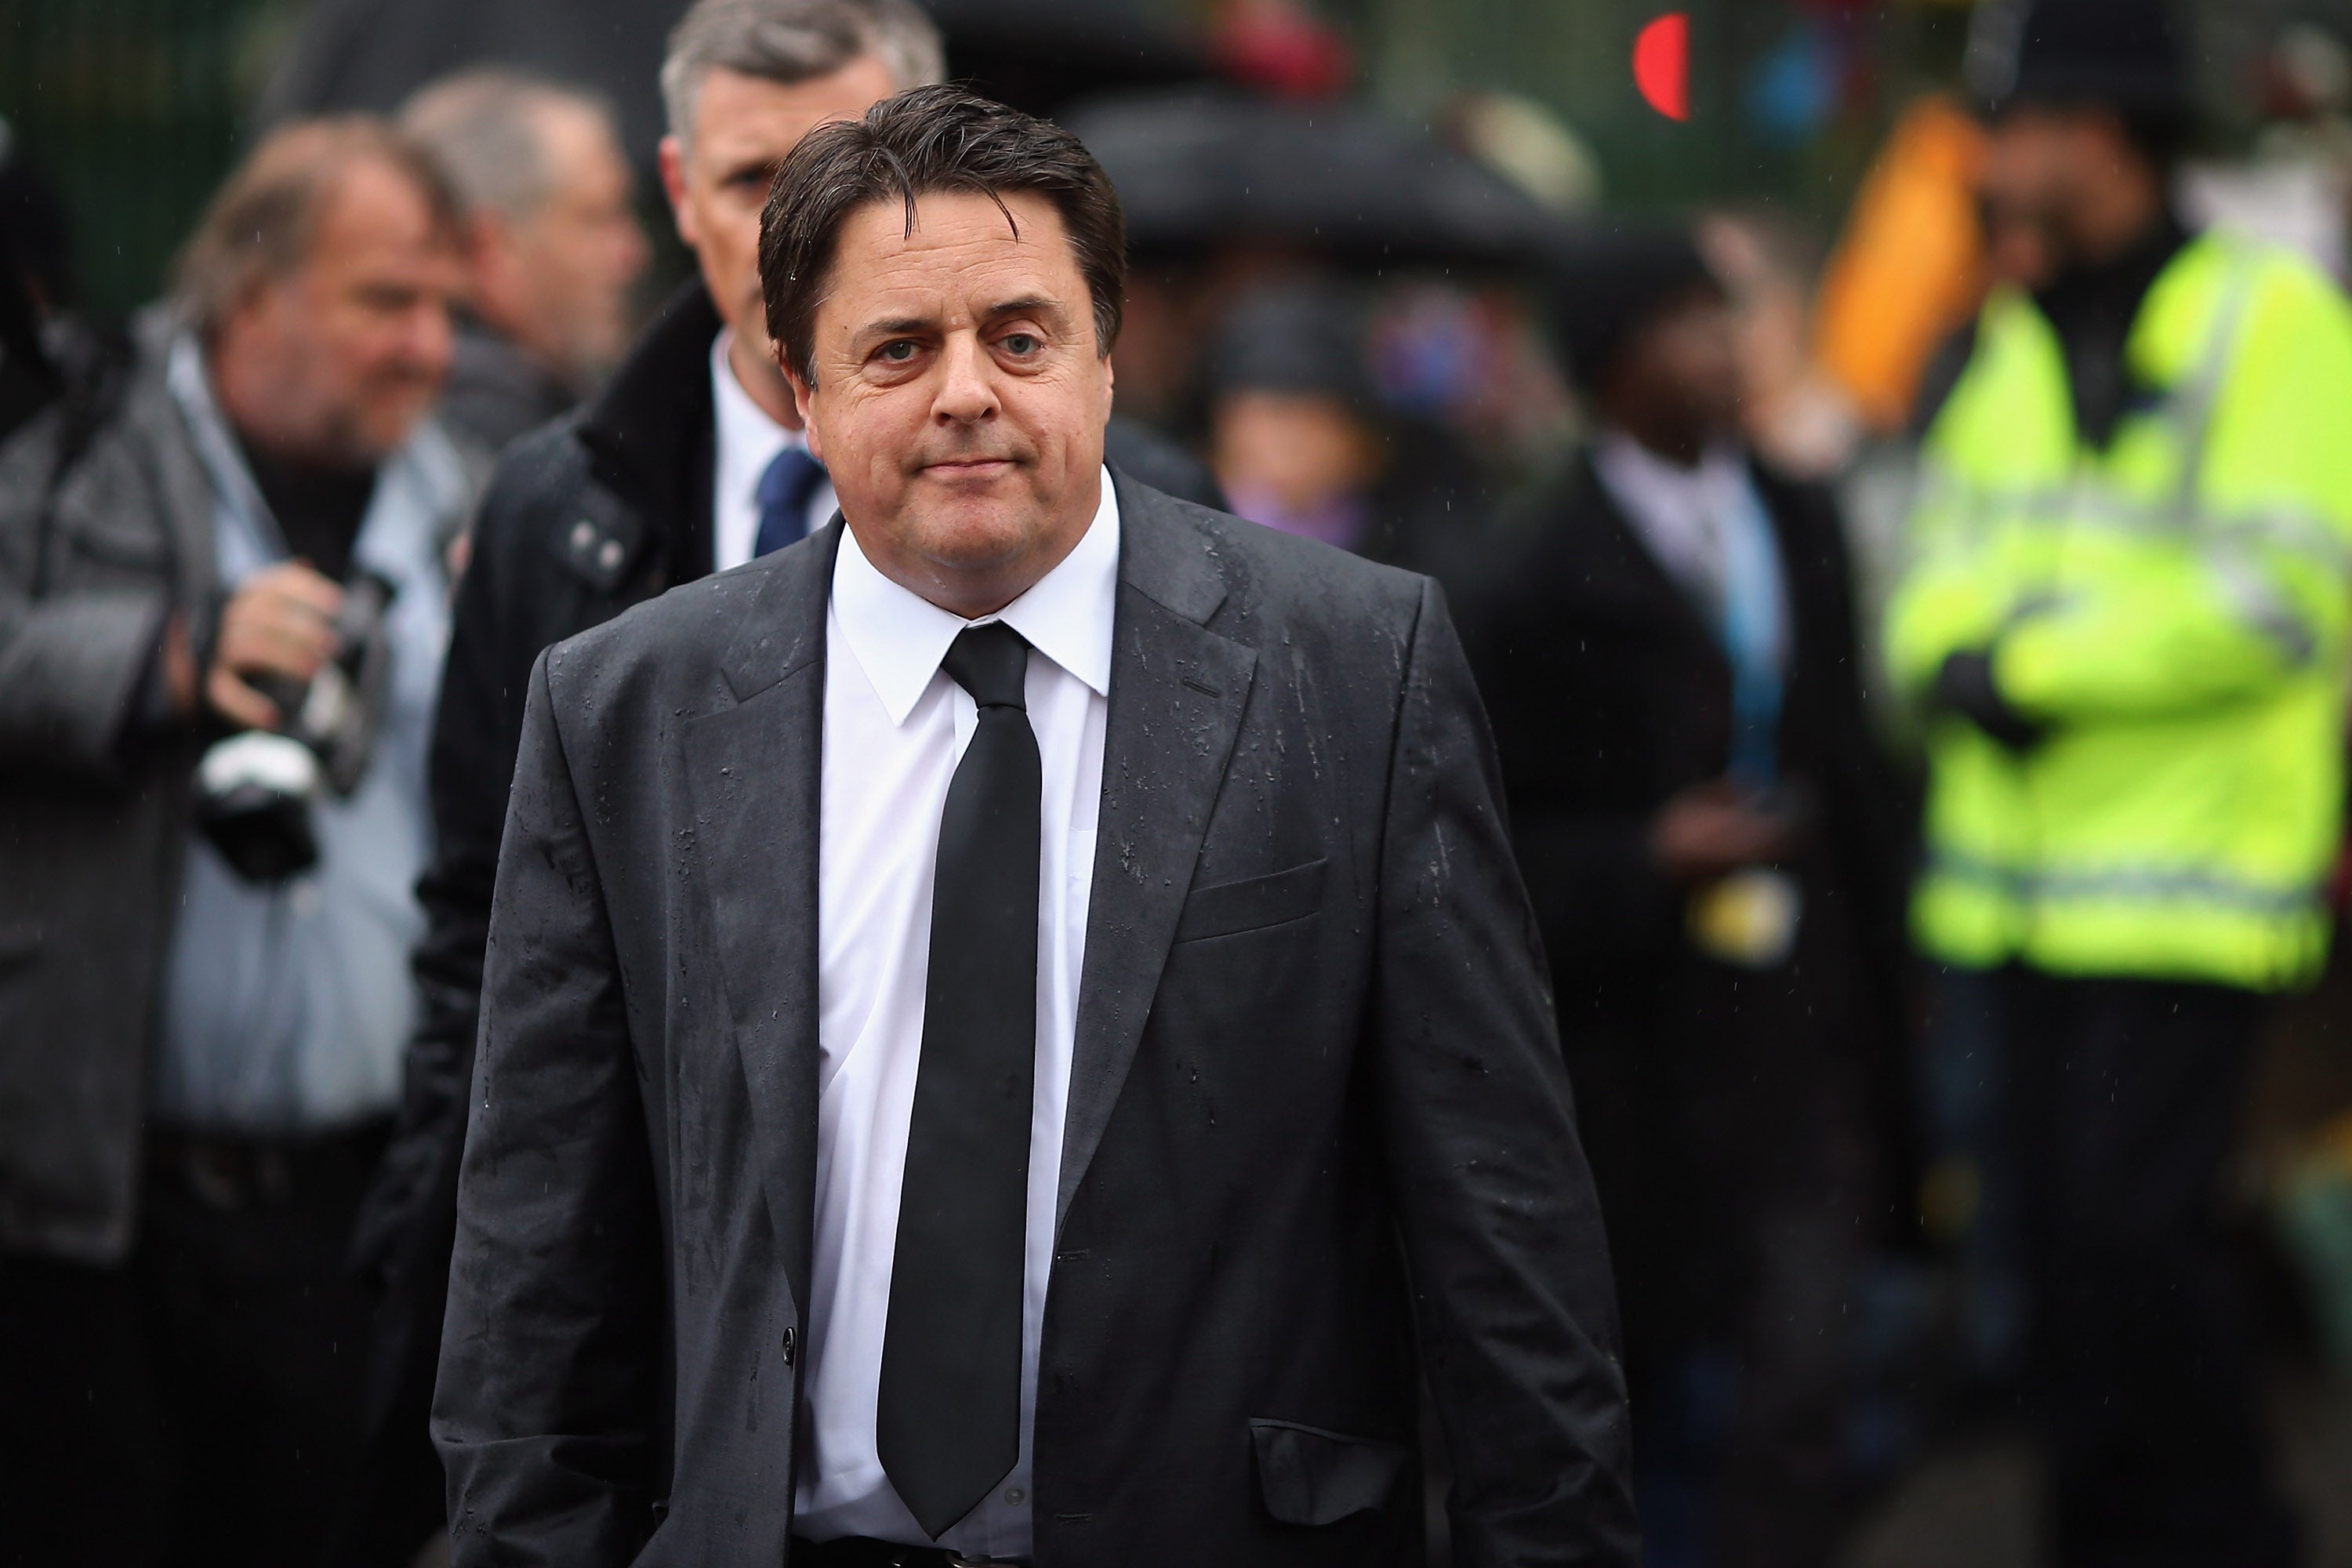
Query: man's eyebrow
x=1027, y=305
x=736, y=165
x=893, y=325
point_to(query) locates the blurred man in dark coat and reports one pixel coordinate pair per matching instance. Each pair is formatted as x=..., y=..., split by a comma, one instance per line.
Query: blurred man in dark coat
x=1667, y=653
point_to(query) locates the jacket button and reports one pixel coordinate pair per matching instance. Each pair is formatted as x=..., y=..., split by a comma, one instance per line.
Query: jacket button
x=609, y=556
x=792, y=1346
x=583, y=534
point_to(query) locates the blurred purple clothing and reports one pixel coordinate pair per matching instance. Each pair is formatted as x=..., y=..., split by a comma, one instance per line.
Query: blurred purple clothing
x=1341, y=520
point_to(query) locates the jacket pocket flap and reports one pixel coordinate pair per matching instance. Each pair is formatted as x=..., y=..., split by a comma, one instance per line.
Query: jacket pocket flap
x=1313, y=1477
x=1230, y=908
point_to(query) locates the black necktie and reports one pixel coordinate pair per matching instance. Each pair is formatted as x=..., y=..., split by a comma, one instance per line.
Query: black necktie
x=948, y=1427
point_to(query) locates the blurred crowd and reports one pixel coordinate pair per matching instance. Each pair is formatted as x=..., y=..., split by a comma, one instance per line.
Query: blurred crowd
x=1917, y=659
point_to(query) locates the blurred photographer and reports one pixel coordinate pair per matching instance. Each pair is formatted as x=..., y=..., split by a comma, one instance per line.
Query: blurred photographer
x=222, y=613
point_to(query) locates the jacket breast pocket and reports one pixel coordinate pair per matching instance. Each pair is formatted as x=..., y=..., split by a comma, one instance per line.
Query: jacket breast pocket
x=1229, y=908
x=1311, y=1476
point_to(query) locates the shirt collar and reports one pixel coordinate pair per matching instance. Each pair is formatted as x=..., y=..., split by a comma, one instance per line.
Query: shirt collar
x=1625, y=460
x=749, y=439
x=898, y=637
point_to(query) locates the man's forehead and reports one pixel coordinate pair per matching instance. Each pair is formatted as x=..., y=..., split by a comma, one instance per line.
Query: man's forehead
x=374, y=201
x=963, y=254
x=576, y=138
x=738, y=115
x=961, y=228
x=374, y=219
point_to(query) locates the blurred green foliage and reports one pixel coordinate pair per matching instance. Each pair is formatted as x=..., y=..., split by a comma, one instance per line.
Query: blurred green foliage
x=134, y=108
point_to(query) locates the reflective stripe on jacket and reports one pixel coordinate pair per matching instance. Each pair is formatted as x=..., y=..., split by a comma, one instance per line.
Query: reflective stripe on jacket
x=2172, y=610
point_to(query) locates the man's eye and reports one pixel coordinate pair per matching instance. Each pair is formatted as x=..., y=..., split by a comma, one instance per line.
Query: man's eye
x=899, y=352
x=1022, y=343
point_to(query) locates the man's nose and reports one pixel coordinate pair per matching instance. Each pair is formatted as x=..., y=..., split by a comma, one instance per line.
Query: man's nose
x=966, y=392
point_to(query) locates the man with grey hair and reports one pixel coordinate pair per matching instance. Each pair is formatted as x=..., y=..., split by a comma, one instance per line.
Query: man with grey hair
x=222, y=613
x=687, y=461
x=550, y=241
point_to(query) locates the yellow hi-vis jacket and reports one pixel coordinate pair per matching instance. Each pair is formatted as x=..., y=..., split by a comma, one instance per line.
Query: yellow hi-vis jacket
x=2172, y=612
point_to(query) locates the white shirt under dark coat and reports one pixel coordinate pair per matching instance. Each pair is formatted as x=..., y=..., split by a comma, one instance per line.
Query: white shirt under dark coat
x=744, y=441
x=895, y=726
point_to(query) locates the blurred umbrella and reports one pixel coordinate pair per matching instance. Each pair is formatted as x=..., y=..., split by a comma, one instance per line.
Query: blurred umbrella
x=1040, y=55
x=371, y=54
x=1201, y=168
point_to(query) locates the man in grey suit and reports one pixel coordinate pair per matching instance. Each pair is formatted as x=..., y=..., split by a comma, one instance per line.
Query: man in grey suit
x=1007, y=1018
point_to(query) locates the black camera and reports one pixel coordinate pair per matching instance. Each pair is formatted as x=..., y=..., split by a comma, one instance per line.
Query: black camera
x=254, y=790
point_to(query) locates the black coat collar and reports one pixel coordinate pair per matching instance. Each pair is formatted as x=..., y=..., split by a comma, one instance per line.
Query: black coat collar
x=648, y=433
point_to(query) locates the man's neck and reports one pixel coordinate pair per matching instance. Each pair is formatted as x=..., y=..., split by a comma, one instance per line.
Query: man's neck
x=762, y=381
x=479, y=322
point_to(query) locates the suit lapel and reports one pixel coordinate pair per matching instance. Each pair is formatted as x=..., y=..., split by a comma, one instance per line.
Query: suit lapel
x=752, y=770
x=1642, y=575
x=1177, y=693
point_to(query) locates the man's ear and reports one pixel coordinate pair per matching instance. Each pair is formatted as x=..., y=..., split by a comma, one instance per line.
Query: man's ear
x=672, y=162
x=804, y=394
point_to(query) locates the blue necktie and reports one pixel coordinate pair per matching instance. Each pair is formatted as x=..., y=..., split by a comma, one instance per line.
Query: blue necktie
x=784, y=495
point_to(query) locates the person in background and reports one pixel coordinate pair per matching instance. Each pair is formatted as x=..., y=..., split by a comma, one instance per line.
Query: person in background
x=221, y=628
x=1298, y=439
x=552, y=245
x=1294, y=425
x=689, y=461
x=1666, y=649
x=2126, y=619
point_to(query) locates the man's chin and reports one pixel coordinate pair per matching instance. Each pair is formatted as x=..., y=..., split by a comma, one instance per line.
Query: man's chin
x=975, y=534
x=377, y=438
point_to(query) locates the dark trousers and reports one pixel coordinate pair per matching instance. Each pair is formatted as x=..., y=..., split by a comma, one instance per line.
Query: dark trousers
x=2125, y=1099
x=1732, y=1137
x=399, y=1500
x=199, y=1404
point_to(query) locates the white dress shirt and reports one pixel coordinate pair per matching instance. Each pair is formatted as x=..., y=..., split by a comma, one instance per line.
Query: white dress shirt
x=894, y=725
x=746, y=441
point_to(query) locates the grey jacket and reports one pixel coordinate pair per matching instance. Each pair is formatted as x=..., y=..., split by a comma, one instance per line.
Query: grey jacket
x=94, y=800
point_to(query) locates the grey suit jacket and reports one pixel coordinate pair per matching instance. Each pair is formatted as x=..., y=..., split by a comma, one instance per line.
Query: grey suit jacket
x=1317, y=1108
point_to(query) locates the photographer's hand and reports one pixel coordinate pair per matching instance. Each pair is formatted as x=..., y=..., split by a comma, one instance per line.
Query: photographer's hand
x=281, y=623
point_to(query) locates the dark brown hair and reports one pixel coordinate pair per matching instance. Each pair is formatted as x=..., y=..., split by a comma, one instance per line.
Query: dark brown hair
x=924, y=141
x=259, y=225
